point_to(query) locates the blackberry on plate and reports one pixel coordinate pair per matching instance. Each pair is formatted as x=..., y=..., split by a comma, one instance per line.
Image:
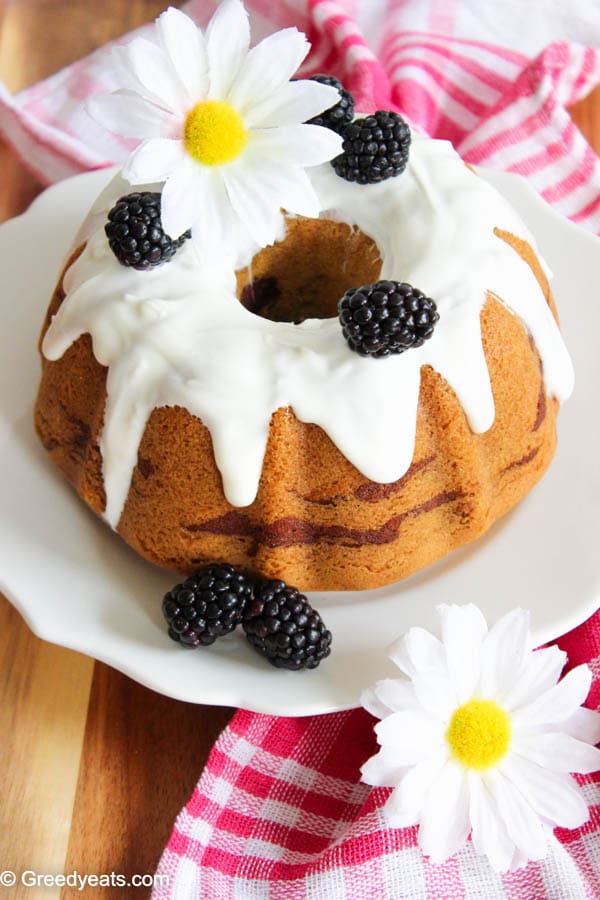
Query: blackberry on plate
x=374, y=148
x=206, y=605
x=339, y=116
x=135, y=232
x=282, y=625
x=386, y=317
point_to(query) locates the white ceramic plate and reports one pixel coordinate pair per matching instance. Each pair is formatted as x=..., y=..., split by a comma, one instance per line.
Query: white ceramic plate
x=78, y=585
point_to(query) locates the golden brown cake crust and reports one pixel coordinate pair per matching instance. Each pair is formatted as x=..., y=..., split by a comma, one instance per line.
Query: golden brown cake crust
x=316, y=522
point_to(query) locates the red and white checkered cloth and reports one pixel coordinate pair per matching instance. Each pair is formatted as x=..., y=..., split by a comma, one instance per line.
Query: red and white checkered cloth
x=279, y=811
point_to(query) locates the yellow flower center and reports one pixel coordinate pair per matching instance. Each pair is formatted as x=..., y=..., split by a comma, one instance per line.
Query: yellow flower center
x=214, y=132
x=479, y=734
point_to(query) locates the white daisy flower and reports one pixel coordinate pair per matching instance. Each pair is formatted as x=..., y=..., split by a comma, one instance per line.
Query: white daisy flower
x=222, y=126
x=479, y=737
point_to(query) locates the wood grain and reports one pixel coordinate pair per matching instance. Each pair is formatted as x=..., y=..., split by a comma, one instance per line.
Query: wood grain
x=93, y=767
x=142, y=756
x=39, y=37
x=18, y=188
x=586, y=115
x=44, y=694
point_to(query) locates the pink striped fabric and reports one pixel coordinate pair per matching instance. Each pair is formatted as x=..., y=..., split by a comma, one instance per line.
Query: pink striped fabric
x=496, y=105
x=279, y=811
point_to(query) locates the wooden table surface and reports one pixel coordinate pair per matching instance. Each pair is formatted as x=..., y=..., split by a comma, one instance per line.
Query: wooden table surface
x=93, y=767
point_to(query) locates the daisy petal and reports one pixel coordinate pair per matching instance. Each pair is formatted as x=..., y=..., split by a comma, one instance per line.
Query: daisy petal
x=267, y=67
x=153, y=71
x=407, y=800
x=435, y=693
x=444, y=820
x=123, y=74
x=153, y=161
x=393, y=817
x=489, y=835
x=216, y=229
x=557, y=752
x=554, y=796
x=463, y=629
x=181, y=196
x=303, y=145
x=412, y=734
x=559, y=702
x=258, y=209
x=503, y=654
x=371, y=701
x=128, y=114
x=227, y=41
x=519, y=860
x=293, y=102
x=522, y=823
x=382, y=770
x=289, y=187
x=388, y=696
x=584, y=725
x=541, y=672
x=295, y=192
x=416, y=651
x=183, y=43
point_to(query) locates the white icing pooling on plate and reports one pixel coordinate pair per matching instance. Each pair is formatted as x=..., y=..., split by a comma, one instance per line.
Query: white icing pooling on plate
x=177, y=335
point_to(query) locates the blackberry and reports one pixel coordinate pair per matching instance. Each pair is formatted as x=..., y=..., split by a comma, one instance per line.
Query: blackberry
x=374, y=148
x=135, y=233
x=339, y=116
x=282, y=625
x=206, y=605
x=386, y=317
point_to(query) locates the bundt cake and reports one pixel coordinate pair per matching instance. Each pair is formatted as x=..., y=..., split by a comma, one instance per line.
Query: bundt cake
x=210, y=408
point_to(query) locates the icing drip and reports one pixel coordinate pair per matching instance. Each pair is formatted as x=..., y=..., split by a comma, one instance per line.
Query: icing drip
x=177, y=335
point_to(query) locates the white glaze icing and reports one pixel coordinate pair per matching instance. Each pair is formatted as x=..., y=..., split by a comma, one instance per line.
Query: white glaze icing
x=177, y=335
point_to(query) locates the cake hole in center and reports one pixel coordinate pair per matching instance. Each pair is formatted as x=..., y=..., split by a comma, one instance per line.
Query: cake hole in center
x=305, y=275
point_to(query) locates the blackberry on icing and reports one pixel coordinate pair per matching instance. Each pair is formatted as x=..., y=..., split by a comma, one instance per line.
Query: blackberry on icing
x=135, y=232
x=386, y=317
x=375, y=148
